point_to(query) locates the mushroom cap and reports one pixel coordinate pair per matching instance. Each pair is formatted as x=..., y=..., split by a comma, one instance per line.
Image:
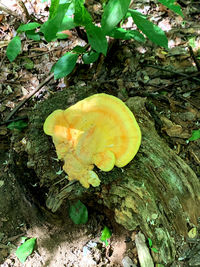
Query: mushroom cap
x=99, y=130
x=110, y=130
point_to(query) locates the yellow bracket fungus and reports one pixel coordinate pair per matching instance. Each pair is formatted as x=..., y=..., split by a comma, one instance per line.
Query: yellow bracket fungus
x=98, y=130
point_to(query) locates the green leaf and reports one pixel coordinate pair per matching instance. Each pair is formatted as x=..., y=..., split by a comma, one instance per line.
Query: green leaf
x=19, y=125
x=28, y=27
x=191, y=42
x=65, y=65
x=52, y=26
x=78, y=213
x=154, y=250
x=67, y=24
x=105, y=235
x=33, y=35
x=170, y=4
x=28, y=64
x=152, y=31
x=78, y=49
x=53, y=8
x=90, y=57
x=150, y=242
x=120, y=33
x=13, y=48
x=97, y=38
x=195, y=135
x=25, y=249
x=81, y=15
x=61, y=35
x=114, y=11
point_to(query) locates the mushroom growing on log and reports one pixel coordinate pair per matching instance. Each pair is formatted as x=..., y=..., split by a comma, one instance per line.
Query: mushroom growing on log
x=157, y=192
x=99, y=130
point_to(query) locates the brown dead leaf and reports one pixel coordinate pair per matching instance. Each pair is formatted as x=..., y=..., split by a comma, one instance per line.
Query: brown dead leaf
x=174, y=130
x=1, y=17
x=68, y=33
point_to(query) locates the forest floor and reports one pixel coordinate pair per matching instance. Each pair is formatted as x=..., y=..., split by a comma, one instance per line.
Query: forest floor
x=170, y=80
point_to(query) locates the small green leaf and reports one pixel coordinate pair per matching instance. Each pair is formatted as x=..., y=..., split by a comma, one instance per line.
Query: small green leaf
x=114, y=11
x=33, y=35
x=65, y=65
x=120, y=33
x=14, y=48
x=25, y=249
x=19, y=125
x=28, y=64
x=28, y=27
x=170, y=4
x=61, y=35
x=150, y=242
x=152, y=31
x=191, y=42
x=195, y=135
x=154, y=250
x=81, y=15
x=97, y=38
x=78, y=49
x=105, y=235
x=90, y=57
x=78, y=213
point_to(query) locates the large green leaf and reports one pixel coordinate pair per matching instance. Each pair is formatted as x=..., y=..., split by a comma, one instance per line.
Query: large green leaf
x=51, y=26
x=28, y=27
x=78, y=213
x=97, y=38
x=174, y=7
x=25, y=249
x=81, y=15
x=53, y=8
x=65, y=65
x=120, y=33
x=114, y=11
x=152, y=31
x=14, y=48
x=67, y=24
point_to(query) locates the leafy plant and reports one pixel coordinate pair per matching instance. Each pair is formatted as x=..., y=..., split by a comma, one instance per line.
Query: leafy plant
x=69, y=14
x=195, y=135
x=105, y=235
x=151, y=244
x=25, y=249
x=78, y=213
x=19, y=125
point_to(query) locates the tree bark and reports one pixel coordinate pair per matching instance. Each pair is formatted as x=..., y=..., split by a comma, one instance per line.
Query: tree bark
x=157, y=192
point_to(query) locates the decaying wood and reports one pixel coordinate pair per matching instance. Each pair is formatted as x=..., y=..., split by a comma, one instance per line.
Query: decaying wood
x=157, y=192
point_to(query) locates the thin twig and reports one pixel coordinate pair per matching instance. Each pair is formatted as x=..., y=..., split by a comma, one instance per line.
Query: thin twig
x=165, y=87
x=2, y=60
x=15, y=119
x=7, y=10
x=194, y=58
x=174, y=72
x=28, y=97
x=24, y=9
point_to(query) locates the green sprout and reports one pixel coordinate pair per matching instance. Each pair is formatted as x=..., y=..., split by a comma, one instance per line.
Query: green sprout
x=105, y=235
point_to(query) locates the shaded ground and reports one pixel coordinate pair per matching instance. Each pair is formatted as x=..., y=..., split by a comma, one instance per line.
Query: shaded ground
x=127, y=71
